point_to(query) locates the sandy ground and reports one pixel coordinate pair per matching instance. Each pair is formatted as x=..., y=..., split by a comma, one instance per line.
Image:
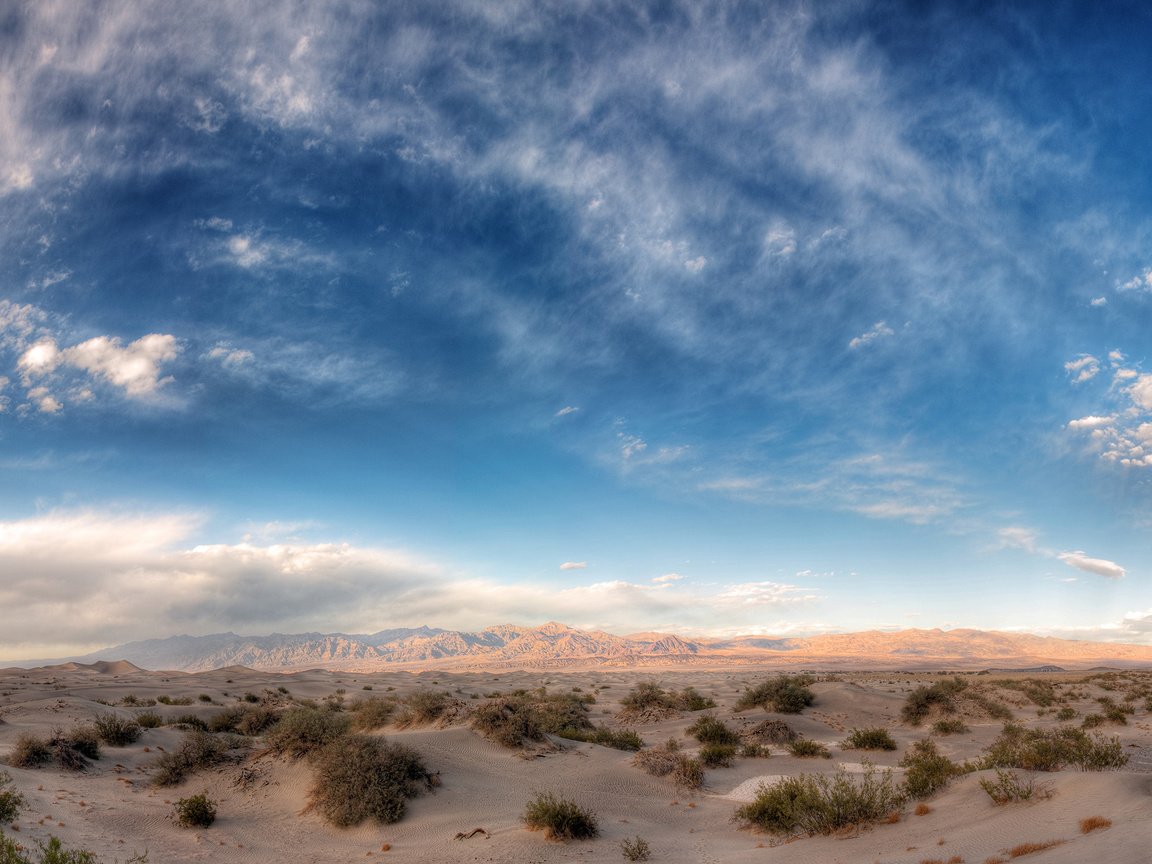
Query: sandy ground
x=113, y=809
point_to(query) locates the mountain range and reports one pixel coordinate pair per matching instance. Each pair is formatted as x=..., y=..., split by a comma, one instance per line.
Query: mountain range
x=558, y=646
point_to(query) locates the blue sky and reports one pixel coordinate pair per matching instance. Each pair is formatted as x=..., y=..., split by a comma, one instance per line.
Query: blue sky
x=705, y=317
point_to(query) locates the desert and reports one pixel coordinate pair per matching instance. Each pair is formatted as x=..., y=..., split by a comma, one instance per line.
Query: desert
x=484, y=776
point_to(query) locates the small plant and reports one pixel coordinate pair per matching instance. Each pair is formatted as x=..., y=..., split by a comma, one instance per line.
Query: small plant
x=198, y=750
x=302, y=731
x=709, y=730
x=1094, y=823
x=772, y=731
x=1029, y=848
x=806, y=748
x=635, y=850
x=362, y=777
x=560, y=818
x=755, y=751
x=204, y=697
x=926, y=770
x=1065, y=714
x=1008, y=787
x=783, y=694
x=875, y=738
x=10, y=800
x=368, y=714
x=821, y=804
x=717, y=755
x=667, y=761
x=198, y=811
x=29, y=751
x=116, y=731
x=422, y=707
x=950, y=726
x=1051, y=750
x=942, y=694
x=149, y=720
x=617, y=739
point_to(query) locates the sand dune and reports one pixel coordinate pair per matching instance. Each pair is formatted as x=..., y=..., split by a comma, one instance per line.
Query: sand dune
x=114, y=810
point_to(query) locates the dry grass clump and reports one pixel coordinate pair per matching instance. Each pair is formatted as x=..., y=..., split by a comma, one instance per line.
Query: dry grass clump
x=375, y=713
x=940, y=694
x=1053, y=749
x=247, y=720
x=617, y=739
x=116, y=731
x=635, y=850
x=955, y=859
x=425, y=706
x=560, y=818
x=29, y=751
x=71, y=750
x=667, y=761
x=304, y=730
x=806, y=748
x=718, y=755
x=784, y=694
x=821, y=804
x=361, y=777
x=710, y=730
x=1009, y=787
x=197, y=811
x=10, y=800
x=1094, y=823
x=527, y=716
x=922, y=809
x=1029, y=848
x=771, y=731
x=927, y=771
x=198, y=750
x=950, y=726
x=874, y=738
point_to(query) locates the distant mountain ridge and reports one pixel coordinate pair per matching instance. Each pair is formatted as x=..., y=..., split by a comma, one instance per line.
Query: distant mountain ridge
x=557, y=646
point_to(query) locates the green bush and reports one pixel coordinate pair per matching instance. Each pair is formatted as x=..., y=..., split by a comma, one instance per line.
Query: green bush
x=635, y=850
x=783, y=694
x=189, y=721
x=1065, y=714
x=1053, y=749
x=149, y=720
x=560, y=818
x=197, y=750
x=717, y=755
x=821, y=804
x=422, y=707
x=950, y=726
x=52, y=852
x=689, y=699
x=874, y=738
x=368, y=714
x=360, y=777
x=10, y=800
x=709, y=730
x=117, y=732
x=806, y=748
x=1008, y=787
x=942, y=694
x=302, y=731
x=926, y=770
x=198, y=811
x=667, y=761
x=617, y=739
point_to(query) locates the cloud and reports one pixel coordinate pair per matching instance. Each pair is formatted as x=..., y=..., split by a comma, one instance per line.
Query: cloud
x=1124, y=435
x=879, y=330
x=1098, y=301
x=1082, y=369
x=1142, y=282
x=666, y=579
x=574, y=565
x=1015, y=537
x=566, y=410
x=1091, y=422
x=695, y=265
x=230, y=357
x=1099, y=566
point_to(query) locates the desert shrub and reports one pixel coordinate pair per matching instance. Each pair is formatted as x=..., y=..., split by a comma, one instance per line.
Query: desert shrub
x=618, y=739
x=821, y=804
x=198, y=811
x=189, y=721
x=149, y=720
x=995, y=710
x=168, y=700
x=873, y=738
x=52, y=852
x=302, y=731
x=806, y=748
x=1094, y=823
x=1065, y=714
x=1008, y=787
x=754, y=751
x=709, y=730
x=362, y=777
x=943, y=694
x=1051, y=750
x=247, y=720
x=10, y=800
x=783, y=694
x=116, y=731
x=560, y=818
x=1091, y=721
x=1042, y=693
x=926, y=770
x=73, y=749
x=667, y=761
x=29, y=751
x=773, y=731
x=950, y=726
x=689, y=699
x=715, y=755
x=635, y=850
x=423, y=706
x=373, y=713
x=650, y=701
x=198, y=750
x=508, y=721
x=204, y=697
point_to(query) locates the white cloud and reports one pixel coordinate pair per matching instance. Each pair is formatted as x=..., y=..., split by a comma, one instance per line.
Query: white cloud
x=631, y=446
x=135, y=367
x=230, y=357
x=1016, y=537
x=879, y=330
x=1142, y=282
x=1099, y=566
x=1084, y=368
x=1090, y=422
x=574, y=565
x=1099, y=301
x=666, y=579
x=245, y=250
x=1123, y=436
x=566, y=410
x=780, y=241
x=695, y=265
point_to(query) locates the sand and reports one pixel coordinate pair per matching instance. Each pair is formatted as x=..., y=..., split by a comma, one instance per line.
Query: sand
x=114, y=810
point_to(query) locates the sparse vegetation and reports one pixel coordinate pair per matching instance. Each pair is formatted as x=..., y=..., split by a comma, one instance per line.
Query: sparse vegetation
x=667, y=761
x=941, y=694
x=149, y=720
x=617, y=739
x=361, y=777
x=1008, y=787
x=198, y=750
x=1051, y=750
x=423, y=707
x=635, y=850
x=304, y=730
x=717, y=755
x=806, y=748
x=560, y=818
x=927, y=771
x=1065, y=714
x=875, y=738
x=772, y=731
x=71, y=750
x=1029, y=848
x=526, y=716
x=51, y=852
x=29, y=751
x=821, y=804
x=10, y=800
x=368, y=714
x=783, y=694
x=709, y=730
x=116, y=731
x=244, y=720
x=197, y=811
x=950, y=726
x=648, y=701
x=1094, y=823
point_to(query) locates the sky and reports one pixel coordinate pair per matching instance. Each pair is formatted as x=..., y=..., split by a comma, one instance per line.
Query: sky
x=703, y=317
